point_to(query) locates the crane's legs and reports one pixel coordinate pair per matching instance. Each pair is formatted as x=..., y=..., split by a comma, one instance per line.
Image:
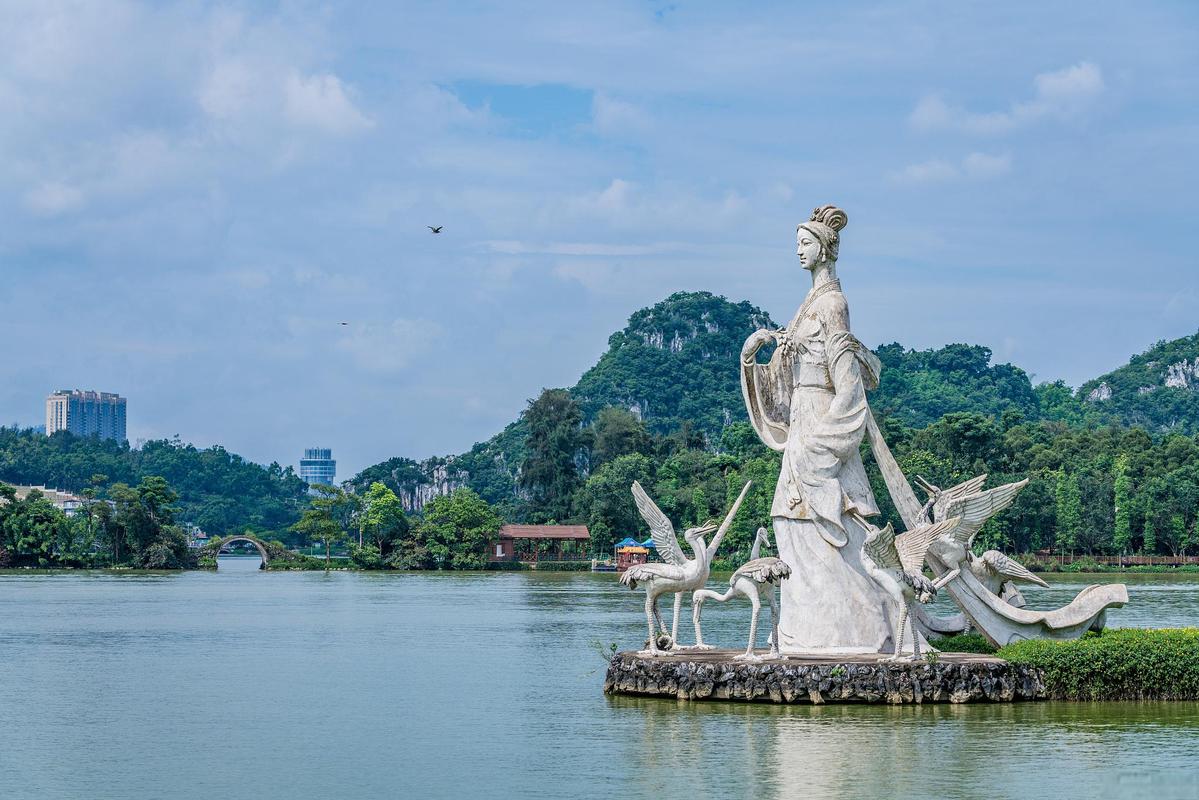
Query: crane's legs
x=773, y=597
x=674, y=623
x=749, y=654
x=915, y=639
x=697, y=602
x=898, y=631
x=651, y=611
x=658, y=617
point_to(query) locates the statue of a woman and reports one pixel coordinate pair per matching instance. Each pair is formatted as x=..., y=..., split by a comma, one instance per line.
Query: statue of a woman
x=809, y=402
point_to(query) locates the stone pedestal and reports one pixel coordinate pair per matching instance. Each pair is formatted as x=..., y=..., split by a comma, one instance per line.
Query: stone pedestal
x=714, y=675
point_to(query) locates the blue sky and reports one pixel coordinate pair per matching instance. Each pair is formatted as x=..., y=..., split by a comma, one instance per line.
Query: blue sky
x=194, y=195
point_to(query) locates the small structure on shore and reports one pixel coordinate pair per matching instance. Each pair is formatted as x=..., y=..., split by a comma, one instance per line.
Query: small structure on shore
x=630, y=555
x=534, y=543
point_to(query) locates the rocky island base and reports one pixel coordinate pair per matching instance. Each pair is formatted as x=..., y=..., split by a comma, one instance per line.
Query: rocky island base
x=715, y=675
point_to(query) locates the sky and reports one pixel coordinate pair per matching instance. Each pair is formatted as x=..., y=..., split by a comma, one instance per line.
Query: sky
x=194, y=196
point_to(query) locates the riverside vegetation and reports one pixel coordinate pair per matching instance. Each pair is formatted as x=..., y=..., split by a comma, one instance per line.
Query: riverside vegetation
x=1113, y=467
x=1117, y=664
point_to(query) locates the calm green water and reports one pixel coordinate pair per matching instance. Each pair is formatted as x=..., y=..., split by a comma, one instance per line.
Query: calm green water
x=302, y=685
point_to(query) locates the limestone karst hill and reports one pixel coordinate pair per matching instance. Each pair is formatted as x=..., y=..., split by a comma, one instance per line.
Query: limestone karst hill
x=675, y=363
x=1157, y=390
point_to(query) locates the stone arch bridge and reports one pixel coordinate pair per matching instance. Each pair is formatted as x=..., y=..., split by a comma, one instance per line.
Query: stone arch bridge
x=217, y=546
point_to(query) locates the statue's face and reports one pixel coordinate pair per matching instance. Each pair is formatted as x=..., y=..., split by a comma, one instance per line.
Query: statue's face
x=807, y=247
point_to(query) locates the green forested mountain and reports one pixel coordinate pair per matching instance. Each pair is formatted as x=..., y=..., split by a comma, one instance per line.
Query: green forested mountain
x=918, y=387
x=218, y=490
x=675, y=365
x=663, y=406
x=1113, y=467
x=675, y=362
x=1157, y=390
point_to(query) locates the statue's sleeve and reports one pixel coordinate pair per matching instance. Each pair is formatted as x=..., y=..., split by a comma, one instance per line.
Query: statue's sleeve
x=766, y=389
x=852, y=369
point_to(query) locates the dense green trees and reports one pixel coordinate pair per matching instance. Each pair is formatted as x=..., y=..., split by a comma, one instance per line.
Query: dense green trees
x=327, y=519
x=218, y=491
x=453, y=532
x=554, y=446
x=382, y=526
x=135, y=526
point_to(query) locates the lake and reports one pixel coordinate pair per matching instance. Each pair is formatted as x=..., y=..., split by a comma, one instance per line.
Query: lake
x=240, y=683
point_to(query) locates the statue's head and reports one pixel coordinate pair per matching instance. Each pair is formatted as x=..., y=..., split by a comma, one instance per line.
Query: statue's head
x=818, y=240
x=764, y=535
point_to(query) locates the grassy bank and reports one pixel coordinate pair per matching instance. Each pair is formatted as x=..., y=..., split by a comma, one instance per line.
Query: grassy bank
x=1117, y=664
x=1085, y=564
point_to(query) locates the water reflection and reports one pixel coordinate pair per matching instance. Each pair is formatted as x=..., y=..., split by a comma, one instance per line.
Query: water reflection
x=386, y=685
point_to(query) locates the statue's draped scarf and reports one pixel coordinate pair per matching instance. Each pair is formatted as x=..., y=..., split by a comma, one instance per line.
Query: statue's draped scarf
x=822, y=474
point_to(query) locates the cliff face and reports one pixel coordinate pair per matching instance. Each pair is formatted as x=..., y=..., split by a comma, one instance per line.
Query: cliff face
x=675, y=361
x=1157, y=390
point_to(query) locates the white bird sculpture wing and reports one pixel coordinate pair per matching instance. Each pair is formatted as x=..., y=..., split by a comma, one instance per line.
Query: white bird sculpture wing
x=880, y=546
x=965, y=488
x=1010, y=568
x=660, y=528
x=977, y=508
x=762, y=570
x=912, y=545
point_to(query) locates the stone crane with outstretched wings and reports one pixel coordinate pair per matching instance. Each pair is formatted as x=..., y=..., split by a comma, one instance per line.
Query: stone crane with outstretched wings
x=676, y=573
x=896, y=563
x=993, y=569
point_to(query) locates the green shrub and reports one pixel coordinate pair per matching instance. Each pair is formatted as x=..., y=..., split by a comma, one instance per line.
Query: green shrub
x=963, y=643
x=1119, y=664
x=1083, y=564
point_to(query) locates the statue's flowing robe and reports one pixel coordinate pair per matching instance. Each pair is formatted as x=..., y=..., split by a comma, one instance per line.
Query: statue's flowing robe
x=809, y=402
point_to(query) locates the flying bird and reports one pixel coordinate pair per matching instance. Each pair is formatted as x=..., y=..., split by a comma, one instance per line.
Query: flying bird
x=343, y=323
x=435, y=230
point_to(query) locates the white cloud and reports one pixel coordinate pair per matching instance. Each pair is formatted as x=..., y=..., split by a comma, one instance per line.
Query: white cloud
x=983, y=165
x=1063, y=94
x=610, y=116
x=321, y=101
x=595, y=276
x=228, y=89
x=53, y=197
x=975, y=166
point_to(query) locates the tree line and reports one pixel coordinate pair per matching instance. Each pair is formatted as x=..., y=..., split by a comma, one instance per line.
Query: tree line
x=452, y=531
x=117, y=525
x=1094, y=490
x=218, y=491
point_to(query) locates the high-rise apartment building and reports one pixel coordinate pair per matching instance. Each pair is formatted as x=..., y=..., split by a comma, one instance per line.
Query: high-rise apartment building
x=318, y=466
x=86, y=413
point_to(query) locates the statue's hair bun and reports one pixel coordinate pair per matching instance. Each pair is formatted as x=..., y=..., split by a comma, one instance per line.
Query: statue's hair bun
x=831, y=216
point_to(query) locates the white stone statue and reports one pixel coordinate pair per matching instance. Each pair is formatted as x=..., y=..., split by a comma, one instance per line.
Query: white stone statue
x=676, y=573
x=982, y=585
x=897, y=564
x=749, y=580
x=809, y=402
x=993, y=569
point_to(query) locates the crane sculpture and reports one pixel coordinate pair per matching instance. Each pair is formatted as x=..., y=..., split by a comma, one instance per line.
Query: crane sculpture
x=896, y=563
x=993, y=569
x=749, y=579
x=676, y=573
